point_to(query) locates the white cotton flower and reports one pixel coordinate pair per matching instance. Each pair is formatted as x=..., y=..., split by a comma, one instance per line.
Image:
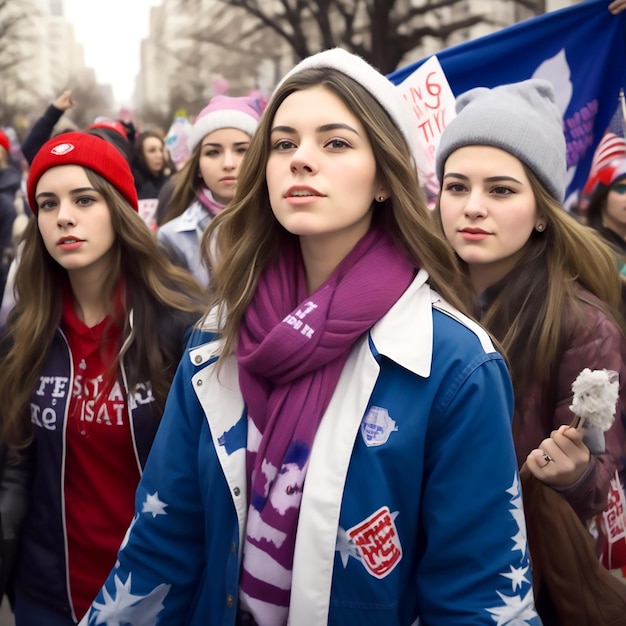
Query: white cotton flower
x=595, y=398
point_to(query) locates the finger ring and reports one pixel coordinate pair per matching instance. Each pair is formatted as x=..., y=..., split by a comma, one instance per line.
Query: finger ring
x=546, y=457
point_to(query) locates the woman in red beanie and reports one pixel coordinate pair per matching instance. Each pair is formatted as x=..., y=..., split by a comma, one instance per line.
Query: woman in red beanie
x=89, y=352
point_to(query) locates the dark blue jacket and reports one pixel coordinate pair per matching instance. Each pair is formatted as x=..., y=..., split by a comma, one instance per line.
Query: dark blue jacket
x=42, y=571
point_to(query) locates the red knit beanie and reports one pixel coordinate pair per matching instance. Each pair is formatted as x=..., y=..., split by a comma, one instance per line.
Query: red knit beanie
x=4, y=141
x=88, y=151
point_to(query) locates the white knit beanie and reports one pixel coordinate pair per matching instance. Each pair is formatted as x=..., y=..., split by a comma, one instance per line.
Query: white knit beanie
x=224, y=112
x=378, y=85
x=521, y=119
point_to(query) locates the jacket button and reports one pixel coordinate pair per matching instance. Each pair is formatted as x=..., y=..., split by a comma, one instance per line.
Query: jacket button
x=230, y=601
x=198, y=359
x=237, y=491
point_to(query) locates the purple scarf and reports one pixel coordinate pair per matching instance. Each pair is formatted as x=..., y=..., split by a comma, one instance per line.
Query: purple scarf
x=291, y=350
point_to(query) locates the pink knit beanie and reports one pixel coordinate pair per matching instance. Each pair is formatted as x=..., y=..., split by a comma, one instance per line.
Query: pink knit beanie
x=224, y=112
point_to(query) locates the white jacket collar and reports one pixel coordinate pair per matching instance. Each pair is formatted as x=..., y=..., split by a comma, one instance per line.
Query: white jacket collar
x=405, y=333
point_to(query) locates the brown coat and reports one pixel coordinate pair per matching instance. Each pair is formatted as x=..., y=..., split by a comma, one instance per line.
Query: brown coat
x=596, y=344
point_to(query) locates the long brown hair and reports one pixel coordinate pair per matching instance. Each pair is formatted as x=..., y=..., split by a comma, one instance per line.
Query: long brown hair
x=186, y=185
x=154, y=286
x=248, y=236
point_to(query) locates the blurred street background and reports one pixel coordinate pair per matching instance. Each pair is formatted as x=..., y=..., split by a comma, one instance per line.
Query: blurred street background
x=172, y=56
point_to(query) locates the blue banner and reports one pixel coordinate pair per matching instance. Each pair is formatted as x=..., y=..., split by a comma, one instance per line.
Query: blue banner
x=581, y=50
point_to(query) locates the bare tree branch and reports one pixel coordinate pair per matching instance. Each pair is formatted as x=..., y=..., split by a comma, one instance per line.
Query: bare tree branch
x=242, y=35
x=10, y=18
x=382, y=31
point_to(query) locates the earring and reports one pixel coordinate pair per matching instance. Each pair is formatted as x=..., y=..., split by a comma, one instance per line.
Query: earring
x=381, y=198
x=540, y=227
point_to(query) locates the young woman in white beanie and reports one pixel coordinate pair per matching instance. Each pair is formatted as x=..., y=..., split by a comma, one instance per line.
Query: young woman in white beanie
x=218, y=141
x=337, y=445
x=546, y=287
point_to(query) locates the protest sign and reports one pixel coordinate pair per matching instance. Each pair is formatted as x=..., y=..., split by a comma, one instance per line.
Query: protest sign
x=431, y=100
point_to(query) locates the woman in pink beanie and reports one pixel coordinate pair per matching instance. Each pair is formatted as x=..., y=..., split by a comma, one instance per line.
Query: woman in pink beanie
x=218, y=141
x=88, y=355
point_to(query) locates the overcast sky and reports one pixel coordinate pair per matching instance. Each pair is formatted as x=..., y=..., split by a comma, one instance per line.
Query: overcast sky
x=110, y=32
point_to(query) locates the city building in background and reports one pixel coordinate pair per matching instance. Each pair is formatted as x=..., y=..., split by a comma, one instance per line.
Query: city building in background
x=197, y=48
x=39, y=57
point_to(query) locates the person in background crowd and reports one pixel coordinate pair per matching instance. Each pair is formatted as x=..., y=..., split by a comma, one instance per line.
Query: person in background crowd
x=610, y=149
x=546, y=287
x=14, y=207
x=10, y=182
x=114, y=131
x=151, y=169
x=606, y=211
x=88, y=355
x=331, y=412
x=218, y=142
x=42, y=129
x=177, y=146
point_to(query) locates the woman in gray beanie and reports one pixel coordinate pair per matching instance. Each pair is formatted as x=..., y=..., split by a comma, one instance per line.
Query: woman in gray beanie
x=546, y=287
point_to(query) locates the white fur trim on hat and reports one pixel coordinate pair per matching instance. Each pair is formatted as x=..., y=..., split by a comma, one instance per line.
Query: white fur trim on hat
x=378, y=85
